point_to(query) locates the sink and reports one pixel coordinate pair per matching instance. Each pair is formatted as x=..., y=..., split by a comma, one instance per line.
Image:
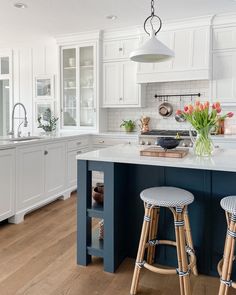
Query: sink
x=23, y=138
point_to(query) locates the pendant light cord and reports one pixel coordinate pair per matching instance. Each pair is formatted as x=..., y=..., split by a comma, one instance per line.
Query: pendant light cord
x=150, y=18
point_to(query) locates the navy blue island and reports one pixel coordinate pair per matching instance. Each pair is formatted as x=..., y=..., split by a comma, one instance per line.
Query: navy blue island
x=126, y=174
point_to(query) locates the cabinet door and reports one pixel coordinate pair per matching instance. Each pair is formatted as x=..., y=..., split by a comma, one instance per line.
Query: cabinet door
x=55, y=168
x=129, y=45
x=129, y=87
x=112, y=49
x=224, y=38
x=182, y=49
x=111, y=83
x=30, y=180
x=7, y=183
x=224, y=76
x=69, y=103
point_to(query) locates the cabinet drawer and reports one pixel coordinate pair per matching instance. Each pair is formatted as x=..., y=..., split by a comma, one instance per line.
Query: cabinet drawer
x=77, y=143
x=103, y=142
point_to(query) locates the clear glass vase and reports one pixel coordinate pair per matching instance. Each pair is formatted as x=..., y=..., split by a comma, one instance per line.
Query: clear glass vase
x=203, y=145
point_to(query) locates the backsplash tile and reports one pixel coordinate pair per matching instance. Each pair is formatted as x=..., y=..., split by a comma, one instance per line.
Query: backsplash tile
x=116, y=115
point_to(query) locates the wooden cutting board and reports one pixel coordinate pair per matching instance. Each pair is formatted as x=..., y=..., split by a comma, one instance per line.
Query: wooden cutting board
x=159, y=152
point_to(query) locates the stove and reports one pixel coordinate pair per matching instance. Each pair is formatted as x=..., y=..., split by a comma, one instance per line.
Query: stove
x=152, y=137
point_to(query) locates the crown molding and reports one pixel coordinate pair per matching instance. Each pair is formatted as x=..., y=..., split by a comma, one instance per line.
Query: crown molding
x=78, y=37
x=224, y=19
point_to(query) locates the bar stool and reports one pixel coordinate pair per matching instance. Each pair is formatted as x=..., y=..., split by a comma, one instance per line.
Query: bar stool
x=225, y=264
x=176, y=200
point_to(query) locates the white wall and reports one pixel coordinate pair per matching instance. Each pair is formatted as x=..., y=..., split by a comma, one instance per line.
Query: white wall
x=30, y=60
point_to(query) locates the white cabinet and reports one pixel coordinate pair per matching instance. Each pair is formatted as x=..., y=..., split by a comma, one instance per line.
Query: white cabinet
x=30, y=176
x=192, y=57
x=79, y=87
x=7, y=183
x=119, y=49
x=224, y=38
x=41, y=176
x=111, y=84
x=55, y=168
x=224, y=76
x=119, y=85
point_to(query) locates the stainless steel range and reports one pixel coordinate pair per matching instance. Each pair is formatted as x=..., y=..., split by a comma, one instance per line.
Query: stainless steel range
x=152, y=137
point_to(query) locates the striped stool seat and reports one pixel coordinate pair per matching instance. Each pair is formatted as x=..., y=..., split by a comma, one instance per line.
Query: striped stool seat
x=229, y=204
x=165, y=196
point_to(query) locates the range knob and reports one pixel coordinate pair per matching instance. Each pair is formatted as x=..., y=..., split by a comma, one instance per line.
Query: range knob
x=190, y=144
x=148, y=143
x=142, y=142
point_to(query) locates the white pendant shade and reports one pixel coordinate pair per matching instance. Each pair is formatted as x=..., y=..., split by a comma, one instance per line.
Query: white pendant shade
x=152, y=51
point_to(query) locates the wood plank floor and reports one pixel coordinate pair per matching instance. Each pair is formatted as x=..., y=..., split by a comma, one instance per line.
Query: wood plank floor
x=38, y=257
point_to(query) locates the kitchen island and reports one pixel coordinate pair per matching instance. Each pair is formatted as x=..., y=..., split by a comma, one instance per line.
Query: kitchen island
x=126, y=174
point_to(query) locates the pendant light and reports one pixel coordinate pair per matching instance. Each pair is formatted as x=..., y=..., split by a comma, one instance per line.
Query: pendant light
x=153, y=50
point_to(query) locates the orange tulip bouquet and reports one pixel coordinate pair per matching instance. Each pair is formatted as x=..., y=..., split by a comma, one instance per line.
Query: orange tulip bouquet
x=203, y=119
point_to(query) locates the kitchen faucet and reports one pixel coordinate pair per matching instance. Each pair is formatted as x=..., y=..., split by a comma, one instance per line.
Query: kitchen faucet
x=12, y=132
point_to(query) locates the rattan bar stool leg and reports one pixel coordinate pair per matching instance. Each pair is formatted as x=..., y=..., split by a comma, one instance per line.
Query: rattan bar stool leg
x=189, y=239
x=183, y=271
x=141, y=249
x=153, y=235
x=228, y=258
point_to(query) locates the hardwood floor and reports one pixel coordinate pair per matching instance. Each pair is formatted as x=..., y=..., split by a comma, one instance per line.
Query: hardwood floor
x=38, y=257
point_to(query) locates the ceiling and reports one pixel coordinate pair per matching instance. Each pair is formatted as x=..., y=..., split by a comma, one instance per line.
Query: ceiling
x=53, y=17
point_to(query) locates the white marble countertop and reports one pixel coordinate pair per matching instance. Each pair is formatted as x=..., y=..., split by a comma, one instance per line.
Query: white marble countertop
x=221, y=160
x=5, y=144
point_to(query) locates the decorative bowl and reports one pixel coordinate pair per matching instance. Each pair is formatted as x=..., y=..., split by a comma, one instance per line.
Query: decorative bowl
x=168, y=142
x=98, y=193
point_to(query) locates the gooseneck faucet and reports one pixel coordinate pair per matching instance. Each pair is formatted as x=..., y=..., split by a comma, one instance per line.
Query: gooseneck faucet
x=12, y=132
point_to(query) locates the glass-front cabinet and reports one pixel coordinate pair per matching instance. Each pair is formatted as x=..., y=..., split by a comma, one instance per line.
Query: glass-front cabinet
x=79, y=89
x=5, y=91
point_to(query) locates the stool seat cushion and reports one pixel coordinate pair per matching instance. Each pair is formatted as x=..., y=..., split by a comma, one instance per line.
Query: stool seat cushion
x=229, y=204
x=167, y=196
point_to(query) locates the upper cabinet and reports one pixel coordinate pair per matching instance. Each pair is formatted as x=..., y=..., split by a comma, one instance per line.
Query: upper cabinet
x=224, y=64
x=224, y=38
x=120, y=88
x=224, y=76
x=192, y=57
x=119, y=85
x=79, y=86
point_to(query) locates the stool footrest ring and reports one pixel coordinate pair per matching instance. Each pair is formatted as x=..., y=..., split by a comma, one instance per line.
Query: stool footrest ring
x=188, y=249
x=159, y=270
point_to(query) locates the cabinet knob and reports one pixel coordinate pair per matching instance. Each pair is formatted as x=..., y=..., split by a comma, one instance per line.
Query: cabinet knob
x=121, y=98
x=45, y=153
x=78, y=143
x=120, y=49
x=101, y=141
x=79, y=152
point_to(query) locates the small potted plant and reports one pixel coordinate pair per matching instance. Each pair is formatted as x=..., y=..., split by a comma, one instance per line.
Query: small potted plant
x=129, y=125
x=48, y=122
